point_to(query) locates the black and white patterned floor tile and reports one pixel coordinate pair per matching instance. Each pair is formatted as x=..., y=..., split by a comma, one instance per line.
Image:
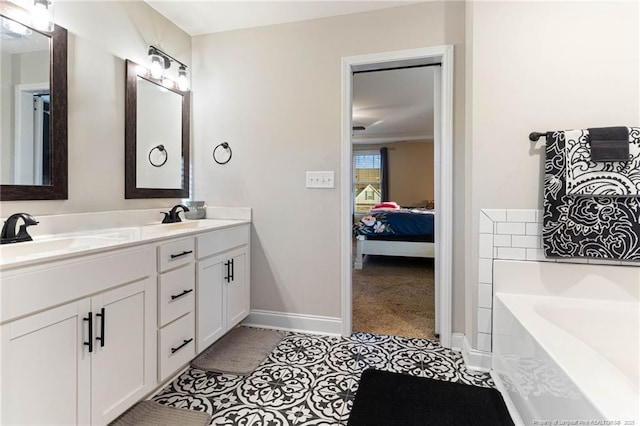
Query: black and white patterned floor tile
x=312, y=380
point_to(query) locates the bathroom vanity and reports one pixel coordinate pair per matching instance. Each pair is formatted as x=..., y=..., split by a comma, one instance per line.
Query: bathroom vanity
x=88, y=330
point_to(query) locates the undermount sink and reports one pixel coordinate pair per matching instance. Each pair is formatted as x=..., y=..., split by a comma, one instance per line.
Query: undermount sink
x=179, y=225
x=52, y=246
x=184, y=226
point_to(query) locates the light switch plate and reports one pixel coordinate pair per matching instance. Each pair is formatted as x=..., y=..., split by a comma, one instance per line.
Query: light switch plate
x=320, y=180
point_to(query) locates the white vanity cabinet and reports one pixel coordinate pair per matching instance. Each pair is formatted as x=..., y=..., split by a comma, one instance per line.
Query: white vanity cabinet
x=84, y=336
x=76, y=337
x=222, y=284
x=176, y=306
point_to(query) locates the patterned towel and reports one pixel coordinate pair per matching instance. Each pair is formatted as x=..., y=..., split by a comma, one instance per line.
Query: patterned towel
x=611, y=178
x=606, y=227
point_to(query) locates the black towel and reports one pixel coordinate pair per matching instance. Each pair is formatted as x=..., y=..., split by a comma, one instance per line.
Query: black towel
x=609, y=144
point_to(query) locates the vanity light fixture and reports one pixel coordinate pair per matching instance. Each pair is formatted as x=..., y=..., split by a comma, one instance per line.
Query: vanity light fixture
x=161, y=61
x=157, y=65
x=183, y=78
x=42, y=15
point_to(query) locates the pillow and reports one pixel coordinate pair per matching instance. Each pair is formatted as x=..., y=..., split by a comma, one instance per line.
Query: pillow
x=386, y=205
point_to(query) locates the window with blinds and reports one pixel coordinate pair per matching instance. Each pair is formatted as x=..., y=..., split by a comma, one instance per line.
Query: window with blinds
x=366, y=180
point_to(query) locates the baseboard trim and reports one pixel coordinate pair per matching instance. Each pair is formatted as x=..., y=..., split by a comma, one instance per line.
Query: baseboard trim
x=457, y=342
x=313, y=324
x=473, y=358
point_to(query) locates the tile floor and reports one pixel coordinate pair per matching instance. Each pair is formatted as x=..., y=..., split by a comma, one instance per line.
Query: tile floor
x=312, y=380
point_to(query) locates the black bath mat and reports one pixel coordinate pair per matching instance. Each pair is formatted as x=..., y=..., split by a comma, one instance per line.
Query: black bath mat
x=394, y=399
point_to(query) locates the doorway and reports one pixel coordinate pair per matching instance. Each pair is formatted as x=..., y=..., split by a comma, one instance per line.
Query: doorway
x=32, y=144
x=443, y=100
x=392, y=146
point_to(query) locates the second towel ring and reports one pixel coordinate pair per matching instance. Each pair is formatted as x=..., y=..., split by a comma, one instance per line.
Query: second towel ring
x=160, y=158
x=226, y=147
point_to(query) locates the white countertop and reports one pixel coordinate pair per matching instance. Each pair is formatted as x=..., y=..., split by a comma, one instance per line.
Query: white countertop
x=45, y=248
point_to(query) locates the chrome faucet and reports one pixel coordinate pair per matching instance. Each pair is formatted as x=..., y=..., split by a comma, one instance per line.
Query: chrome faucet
x=8, y=234
x=173, y=216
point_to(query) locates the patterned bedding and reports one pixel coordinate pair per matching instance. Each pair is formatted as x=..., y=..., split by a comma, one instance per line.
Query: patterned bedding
x=400, y=222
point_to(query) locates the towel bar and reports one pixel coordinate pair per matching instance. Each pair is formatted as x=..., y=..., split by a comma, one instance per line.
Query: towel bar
x=534, y=136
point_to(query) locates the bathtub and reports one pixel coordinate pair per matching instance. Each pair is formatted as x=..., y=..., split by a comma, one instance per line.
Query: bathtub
x=566, y=341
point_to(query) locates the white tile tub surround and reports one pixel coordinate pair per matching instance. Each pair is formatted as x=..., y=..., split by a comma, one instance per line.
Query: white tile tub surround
x=511, y=234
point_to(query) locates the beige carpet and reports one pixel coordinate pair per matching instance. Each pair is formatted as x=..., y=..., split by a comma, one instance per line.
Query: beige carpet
x=394, y=295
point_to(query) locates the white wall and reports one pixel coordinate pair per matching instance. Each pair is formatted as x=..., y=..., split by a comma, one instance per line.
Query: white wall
x=411, y=173
x=274, y=94
x=30, y=67
x=101, y=35
x=538, y=66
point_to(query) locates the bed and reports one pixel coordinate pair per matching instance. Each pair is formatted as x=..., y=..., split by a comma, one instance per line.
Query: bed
x=395, y=232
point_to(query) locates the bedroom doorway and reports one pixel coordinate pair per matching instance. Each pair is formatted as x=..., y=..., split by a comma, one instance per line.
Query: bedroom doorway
x=393, y=278
x=442, y=158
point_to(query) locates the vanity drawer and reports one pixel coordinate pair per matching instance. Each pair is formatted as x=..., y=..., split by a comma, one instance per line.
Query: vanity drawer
x=176, y=290
x=174, y=254
x=176, y=345
x=222, y=240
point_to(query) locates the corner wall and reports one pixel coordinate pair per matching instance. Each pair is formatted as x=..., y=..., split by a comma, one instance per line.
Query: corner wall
x=538, y=66
x=274, y=93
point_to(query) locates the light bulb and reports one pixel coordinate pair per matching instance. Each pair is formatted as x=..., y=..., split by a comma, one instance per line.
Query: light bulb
x=42, y=15
x=183, y=78
x=157, y=65
x=16, y=28
x=168, y=83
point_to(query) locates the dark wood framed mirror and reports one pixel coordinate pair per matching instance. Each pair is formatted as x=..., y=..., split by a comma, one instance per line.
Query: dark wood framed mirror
x=156, y=125
x=48, y=177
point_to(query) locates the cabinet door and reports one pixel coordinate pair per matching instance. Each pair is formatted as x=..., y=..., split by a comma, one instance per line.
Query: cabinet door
x=210, y=307
x=123, y=362
x=237, y=288
x=45, y=367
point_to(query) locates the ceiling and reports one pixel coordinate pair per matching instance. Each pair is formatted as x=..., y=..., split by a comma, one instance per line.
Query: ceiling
x=393, y=105
x=205, y=17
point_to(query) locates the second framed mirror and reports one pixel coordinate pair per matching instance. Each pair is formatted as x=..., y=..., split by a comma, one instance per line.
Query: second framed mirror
x=156, y=137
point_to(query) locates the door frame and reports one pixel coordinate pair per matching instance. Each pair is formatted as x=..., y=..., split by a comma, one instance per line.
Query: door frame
x=27, y=151
x=443, y=169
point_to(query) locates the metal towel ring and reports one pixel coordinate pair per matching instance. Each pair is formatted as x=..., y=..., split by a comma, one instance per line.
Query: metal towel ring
x=161, y=149
x=225, y=146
